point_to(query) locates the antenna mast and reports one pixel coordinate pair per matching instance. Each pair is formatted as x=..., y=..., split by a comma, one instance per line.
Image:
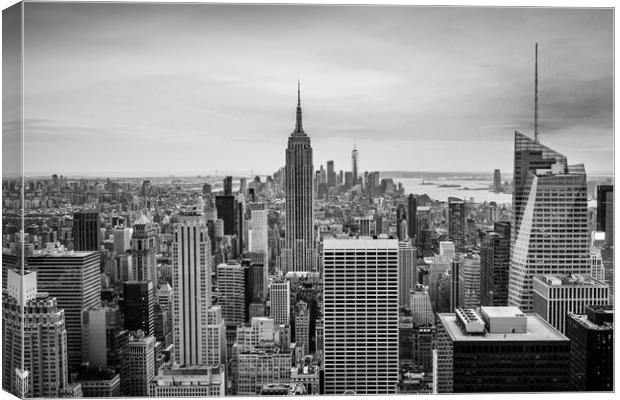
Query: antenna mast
x=536, y=94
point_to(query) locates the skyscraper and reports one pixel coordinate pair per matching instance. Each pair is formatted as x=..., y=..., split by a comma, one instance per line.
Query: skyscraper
x=34, y=339
x=216, y=336
x=331, y=174
x=406, y=272
x=191, y=282
x=412, y=223
x=554, y=296
x=591, y=334
x=456, y=223
x=141, y=364
x=144, y=250
x=298, y=188
x=500, y=349
x=138, y=303
x=302, y=326
x=231, y=292
x=73, y=279
x=86, y=231
x=354, y=165
x=360, y=302
x=605, y=211
x=494, y=264
x=280, y=297
x=497, y=181
x=551, y=234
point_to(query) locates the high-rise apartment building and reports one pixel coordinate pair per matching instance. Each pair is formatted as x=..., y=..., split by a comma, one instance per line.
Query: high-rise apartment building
x=144, y=250
x=550, y=232
x=86, y=231
x=138, y=303
x=231, y=292
x=360, y=327
x=407, y=258
x=73, y=278
x=299, y=193
x=34, y=339
x=557, y=295
x=500, y=349
x=592, y=348
x=494, y=264
x=456, y=223
x=280, y=297
x=191, y=282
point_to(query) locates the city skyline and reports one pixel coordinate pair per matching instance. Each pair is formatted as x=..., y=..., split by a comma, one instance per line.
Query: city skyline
x=444, y=89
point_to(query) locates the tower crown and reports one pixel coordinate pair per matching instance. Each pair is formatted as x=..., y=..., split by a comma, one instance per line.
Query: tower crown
x=299, y=128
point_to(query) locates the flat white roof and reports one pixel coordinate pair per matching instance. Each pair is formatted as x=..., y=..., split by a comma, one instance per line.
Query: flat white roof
x=502, y=311
x=537, y=330
x=353, y=244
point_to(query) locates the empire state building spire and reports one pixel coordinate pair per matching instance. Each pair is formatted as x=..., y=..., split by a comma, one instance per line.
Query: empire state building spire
x=298, y=124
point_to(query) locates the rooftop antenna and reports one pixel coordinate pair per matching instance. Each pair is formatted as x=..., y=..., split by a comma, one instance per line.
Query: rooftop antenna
x=536, y=94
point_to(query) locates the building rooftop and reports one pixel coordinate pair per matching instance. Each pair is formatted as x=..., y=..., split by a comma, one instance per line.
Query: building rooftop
x=587, y=323
x=537, y=330
x=569, y=280
x=502, y=312
x=336, y=244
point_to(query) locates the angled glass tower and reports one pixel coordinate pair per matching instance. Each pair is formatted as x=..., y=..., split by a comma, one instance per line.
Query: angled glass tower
x=298, y=188
x=550, y=228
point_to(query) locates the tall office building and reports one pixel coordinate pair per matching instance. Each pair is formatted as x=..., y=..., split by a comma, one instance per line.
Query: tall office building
x=86, y=231
x=494, y=264
x=407, y=257
x=421, y=308
x=216, y=336
x=100, y=326
x=360, y=303
x=138, y=303
x=191, y=283
x=456, y=223
x=592, y=348
x=412, y=223
x=73, y=279
x=298, y=189
x=302, y=326
x=554, y=296
x=144, y=250
x=280, y=297
x=497, y=181
x=550, y=233
x=605, y=211
x=257, y=280
x=259, y=229
x=467, y=274
x=140, y=358
x=34, y=339
x=500, y=349
x=354, y=164
x=228, y=211
x=228, y=186
x=231, y=292
x=331, y=174
x=122, y=240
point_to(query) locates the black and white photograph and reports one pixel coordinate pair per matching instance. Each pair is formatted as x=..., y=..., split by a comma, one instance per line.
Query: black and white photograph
x=229, y=199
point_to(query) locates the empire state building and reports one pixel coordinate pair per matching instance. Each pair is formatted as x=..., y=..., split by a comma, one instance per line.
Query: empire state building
x=298, y=254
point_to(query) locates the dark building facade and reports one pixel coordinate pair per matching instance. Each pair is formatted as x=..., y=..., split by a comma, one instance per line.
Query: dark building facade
x=456, y=223
x=494, y=265
x=605, y=211
x=227, y=211
x=412, y=206
x=86, y=231
x=592, y=349
x=138, y=303
x=478, y=354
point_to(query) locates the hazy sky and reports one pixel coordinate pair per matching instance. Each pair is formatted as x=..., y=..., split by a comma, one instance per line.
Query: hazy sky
x=195, y=88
